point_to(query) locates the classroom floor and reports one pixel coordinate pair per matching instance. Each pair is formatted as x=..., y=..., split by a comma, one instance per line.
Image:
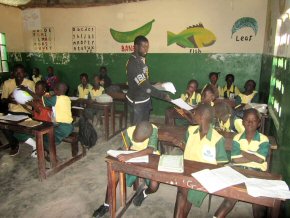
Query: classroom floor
x=79, y=189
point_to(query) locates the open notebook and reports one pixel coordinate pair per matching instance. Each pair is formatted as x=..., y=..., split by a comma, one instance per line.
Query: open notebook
x=116, y=153
x=171, y=163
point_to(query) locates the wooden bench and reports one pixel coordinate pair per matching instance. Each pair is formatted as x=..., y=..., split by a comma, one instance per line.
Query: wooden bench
x=73, y=140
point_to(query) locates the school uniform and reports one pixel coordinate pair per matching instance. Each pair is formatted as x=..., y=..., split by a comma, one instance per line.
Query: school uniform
x=193, y=100
x=84, y=91
x=216, y=88
x=210, y=149
x=61, y=107
x=258, y=146
x=96, y=92
x=231, y=93
x=151, y=142
x=9, y=86
x=246, y=99
x=233, y=123
x=36, y=78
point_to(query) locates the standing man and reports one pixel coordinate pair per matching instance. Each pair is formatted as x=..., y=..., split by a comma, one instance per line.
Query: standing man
x=140, y=90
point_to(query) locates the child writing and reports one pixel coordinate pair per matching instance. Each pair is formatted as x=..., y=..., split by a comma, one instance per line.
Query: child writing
x=191, y=96
x=203, y=144
x=230, y=90
x=249, y=151
x=84, y=88
x=142, y=138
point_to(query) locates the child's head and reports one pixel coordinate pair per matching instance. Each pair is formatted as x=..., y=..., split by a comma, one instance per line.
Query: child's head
x=207, y=96
x=36, y=71
x=251, y=120
x=222, y=111
x=97, y=81
x=50, y=71
x=204, y=114
x=40, y=88
x=230, y=78
x=103, y=70
x=19, y=73
x=192, y=86
x=60, y=88
x=84, y=79
x=213, y=77
x=142, y=131
x=250, y=86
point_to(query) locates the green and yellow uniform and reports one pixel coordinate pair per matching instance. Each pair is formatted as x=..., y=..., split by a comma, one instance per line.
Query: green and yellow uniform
x=84, y=91
x=258, y=146
x=36, y=78
x=216, y=89
x=193, y=100
x=9, y=86
x=96, y=92
x=61, y=107
x=232, y=124
x=246, y=99
x=210, y=149
x=151, y=142
x=232, y=92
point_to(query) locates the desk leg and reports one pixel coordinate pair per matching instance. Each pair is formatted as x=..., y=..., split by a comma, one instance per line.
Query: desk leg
x=123, y=189
x=106, y=114
x=113, y=118
x=111, y=189
x=52, y=148
x=276, y=209
x=40, y=156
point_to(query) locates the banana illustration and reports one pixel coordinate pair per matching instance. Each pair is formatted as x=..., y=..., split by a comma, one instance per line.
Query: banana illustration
x=125, y=37
x=245, y=22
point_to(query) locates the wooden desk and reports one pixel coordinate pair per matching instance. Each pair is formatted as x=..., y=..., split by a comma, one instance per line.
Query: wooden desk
x=149, y=171
x=39, y=132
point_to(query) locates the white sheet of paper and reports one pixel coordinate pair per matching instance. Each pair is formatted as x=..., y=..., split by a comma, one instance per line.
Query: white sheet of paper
x=169, y=87
x=10, y=117
x=182, y=104
x=267, y=188
x=73, y=98
x=76, y=107
x=217, y=179
x=116, y=153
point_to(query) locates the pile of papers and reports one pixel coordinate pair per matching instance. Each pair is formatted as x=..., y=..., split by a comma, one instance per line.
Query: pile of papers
x=171, y=163
x=15, y=118
x=217, y=179
x=116, y=153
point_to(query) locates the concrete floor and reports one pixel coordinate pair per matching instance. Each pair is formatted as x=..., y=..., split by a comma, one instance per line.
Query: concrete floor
x=79, y=189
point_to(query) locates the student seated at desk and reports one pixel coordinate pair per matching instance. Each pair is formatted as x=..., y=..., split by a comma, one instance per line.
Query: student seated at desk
x=230, y=90
x=249, y=95
x=213, y=78
x=142, y=138
x=207, y=96
x=36, y=75
x=226, y=120
x=250, y=150
x=84, y=88
x=203, y=144
x=191, y=97
x=97, y=89
x=13, y=108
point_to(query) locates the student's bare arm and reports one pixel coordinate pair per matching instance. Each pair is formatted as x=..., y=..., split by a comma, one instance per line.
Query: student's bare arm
x=248, y=158
x=125, y=157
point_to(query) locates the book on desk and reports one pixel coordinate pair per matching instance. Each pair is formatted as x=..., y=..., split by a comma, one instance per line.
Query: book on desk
x=171, y=163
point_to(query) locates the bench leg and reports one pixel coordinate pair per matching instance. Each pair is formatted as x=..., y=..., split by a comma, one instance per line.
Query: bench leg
x=74, y=148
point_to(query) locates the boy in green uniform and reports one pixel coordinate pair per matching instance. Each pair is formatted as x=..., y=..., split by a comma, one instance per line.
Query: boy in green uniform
x=230, y=90
x=84, y=88
x=203, y=144
x=249, y=151
x=191, y=97
x=249, y=95
x=142, y=138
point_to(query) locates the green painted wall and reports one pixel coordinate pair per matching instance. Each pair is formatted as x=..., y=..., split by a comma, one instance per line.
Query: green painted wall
x=177, y=68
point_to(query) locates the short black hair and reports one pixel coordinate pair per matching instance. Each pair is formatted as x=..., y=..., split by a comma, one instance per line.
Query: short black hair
x=213, y=74
x=208, y=88
x=18, y=66
x=36, y=69
x=139, y=39
x=41, y=83
x=252, y=81
x=192, y=81
x=230, y=75
x=252, y=111
x=84, y=75
x=103, y=68
x=205, y=109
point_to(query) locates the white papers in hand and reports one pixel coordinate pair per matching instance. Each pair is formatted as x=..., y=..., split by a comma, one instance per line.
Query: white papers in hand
x=116, y=153
x=217, y=179
x=169, y=87
x=267, y=188
x=16, y=118
x=182, y=104
x=171, y=163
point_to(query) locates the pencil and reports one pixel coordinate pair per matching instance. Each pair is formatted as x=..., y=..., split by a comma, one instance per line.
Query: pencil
x=125, y=143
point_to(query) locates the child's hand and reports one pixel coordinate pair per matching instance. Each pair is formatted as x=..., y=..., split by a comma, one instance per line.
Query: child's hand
x=124, y=157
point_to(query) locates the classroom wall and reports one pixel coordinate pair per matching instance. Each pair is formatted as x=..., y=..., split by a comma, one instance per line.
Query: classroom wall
x=50, y=38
